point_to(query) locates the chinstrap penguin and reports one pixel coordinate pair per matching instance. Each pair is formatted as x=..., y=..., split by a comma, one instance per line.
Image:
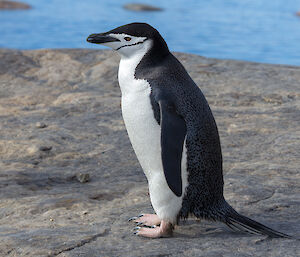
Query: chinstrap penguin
x=173, y=133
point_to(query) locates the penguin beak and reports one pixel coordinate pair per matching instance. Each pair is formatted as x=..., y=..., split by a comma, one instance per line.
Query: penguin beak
x=101, y=38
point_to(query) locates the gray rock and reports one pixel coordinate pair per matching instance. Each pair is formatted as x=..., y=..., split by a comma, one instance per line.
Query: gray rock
x=12, y=5
x=141, y=7
x=41, y=125
x=44, y=212
x=83, y=177
x=45, y=148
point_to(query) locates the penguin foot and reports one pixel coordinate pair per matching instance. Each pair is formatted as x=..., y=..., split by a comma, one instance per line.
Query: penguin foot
x=164, y=230
x=146, y=220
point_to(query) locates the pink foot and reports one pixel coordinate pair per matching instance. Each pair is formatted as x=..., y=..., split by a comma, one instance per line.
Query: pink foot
x=147, y=220
x=164, y=230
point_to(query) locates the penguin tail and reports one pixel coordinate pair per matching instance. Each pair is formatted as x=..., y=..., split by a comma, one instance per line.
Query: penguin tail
x=236, y=221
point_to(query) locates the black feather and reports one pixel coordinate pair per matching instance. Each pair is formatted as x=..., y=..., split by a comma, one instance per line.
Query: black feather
x=245, y=224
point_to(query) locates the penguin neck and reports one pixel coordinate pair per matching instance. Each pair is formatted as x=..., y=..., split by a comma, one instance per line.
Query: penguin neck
x=134, y=69
x=128, y=64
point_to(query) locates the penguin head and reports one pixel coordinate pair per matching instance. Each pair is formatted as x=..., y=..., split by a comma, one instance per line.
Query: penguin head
x=131, y=39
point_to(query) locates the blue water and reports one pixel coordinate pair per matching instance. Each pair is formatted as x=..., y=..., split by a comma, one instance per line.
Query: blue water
x=255, y=30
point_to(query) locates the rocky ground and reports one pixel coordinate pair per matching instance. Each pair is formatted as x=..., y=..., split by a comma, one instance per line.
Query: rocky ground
x=69, y=179
x=13, y=5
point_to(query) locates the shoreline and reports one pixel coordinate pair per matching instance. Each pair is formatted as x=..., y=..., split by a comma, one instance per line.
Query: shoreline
x=174, y=52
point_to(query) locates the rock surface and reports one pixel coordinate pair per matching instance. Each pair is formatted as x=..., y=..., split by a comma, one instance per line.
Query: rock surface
x=141, y=7
x=12, y=5
x=60, y=116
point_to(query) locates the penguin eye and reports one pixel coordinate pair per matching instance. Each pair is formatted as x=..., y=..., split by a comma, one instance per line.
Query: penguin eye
x=127, y=38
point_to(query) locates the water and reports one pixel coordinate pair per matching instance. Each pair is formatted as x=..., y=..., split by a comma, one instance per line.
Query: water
x=255, y=30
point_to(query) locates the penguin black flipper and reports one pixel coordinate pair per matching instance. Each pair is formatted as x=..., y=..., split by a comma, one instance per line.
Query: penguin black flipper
x=173, y=132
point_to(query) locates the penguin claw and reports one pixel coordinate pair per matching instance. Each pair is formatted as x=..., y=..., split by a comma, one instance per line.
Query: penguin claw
x=132, y=218
x=137, y=230
x=135, y=217
x=141, y=224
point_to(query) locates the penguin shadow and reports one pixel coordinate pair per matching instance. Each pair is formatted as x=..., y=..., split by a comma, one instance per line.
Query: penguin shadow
x=195, y=228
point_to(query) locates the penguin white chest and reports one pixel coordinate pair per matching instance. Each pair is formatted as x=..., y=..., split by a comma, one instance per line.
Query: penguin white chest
x=143, y=130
